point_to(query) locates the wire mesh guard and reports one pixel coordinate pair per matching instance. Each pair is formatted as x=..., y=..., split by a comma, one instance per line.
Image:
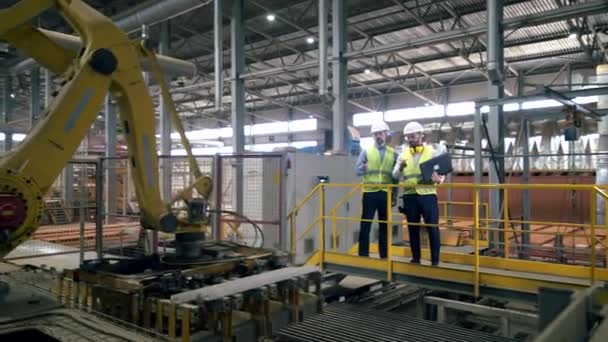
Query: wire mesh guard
x=68, y=220
x=259, y=216
x=260, y=179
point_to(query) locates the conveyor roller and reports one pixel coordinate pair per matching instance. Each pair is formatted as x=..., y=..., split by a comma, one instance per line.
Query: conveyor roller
x=347, y=322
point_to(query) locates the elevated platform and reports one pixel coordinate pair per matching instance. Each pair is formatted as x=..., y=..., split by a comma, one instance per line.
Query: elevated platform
x=513, y=280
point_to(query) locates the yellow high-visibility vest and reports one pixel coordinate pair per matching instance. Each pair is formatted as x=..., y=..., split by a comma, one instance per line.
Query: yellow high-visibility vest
x=412, y=174
x=378, y=171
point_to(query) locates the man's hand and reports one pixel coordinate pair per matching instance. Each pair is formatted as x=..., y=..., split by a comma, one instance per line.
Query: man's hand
x=437, y=179
x=402, y=165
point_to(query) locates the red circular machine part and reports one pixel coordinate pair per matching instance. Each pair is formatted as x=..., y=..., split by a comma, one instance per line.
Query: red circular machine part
x=12, y=211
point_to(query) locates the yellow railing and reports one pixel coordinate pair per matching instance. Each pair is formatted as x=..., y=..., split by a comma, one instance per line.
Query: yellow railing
x=292, y=218
x=589, y=229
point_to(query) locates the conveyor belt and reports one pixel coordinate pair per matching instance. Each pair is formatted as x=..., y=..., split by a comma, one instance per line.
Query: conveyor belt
x=348, y=322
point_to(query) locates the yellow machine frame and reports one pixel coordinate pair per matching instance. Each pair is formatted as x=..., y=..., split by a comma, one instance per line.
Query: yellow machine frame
x=108, y=63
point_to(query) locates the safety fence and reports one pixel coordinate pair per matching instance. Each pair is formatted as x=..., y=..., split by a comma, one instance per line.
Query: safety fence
x=68, y=223
x=480, y=237
x=251, y=216
x=92, y=207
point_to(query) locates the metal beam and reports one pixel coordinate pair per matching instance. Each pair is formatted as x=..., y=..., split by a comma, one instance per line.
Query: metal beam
x=147, y=13
x=495, y=123
x=339, y=75
x=483, y=310
x=582, y=9
x=552, y=94
x=7, y=110
x=237, y=58
x=165, y=121
x=110, y=164
x=542, y=96
x=323, y=23
x=477, y=139
x=34, y=95
x=525, y=195
x=313, y=86
x=48, y=88
x=218, y=53
x=453, y=13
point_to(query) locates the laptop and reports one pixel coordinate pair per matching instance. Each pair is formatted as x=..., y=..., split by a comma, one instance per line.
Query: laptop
x=442, y=164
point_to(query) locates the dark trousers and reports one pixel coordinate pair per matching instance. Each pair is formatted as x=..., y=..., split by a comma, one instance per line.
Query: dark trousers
x=426, y=207
x=372, y=202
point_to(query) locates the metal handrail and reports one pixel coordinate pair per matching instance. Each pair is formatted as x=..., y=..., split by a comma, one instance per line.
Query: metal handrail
x=477, y=220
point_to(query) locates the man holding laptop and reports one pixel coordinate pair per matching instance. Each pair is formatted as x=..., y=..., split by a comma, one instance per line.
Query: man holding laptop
x=420, y=197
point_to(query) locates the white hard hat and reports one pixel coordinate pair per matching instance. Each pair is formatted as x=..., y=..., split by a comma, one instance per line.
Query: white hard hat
x=412, y=127
x=379, y=127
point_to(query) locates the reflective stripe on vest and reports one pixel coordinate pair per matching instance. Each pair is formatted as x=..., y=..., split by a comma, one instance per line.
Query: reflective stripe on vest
x=412, y=174
x=378, y=171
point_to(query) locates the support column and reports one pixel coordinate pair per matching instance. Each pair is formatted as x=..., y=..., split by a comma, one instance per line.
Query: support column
x=495, y=117
x=601, y=173
x=477, y=138
x=290, y=119
x=8, y=141
x=340, y=89
x=145, y=35
x=525, y=193
x=48, y=88
x=323, y=23
x=110, y=164
x=165, y=122
x=7, y=111
x=237, y=58
x=449, y=191
x=34, y=95
x=218, y=40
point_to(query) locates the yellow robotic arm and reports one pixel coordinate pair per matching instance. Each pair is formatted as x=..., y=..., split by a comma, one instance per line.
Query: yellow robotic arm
x=107, y=62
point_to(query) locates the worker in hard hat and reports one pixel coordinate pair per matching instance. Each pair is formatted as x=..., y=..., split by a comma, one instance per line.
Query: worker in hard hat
x=375, y=165
x=419, y=200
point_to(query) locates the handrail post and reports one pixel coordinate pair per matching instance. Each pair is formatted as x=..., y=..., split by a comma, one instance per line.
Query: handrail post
x=476, y=237
x=486, y=211
x=321, y=226
x=593, y=206
x=389, y=233
x=334, y=231
x=606, y=230
x=292, y=238
x=506, y=224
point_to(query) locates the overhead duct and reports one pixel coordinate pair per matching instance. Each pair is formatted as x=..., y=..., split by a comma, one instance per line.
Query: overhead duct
x=158, y=11
x=601, y=173
x=151, y=12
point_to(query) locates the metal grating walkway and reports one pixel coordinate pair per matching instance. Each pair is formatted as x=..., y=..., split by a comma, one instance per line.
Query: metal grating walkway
x=348, y=322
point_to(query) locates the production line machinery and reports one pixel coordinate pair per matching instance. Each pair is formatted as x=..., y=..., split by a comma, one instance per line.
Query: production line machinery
x=144, y=292
x=201, y=290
